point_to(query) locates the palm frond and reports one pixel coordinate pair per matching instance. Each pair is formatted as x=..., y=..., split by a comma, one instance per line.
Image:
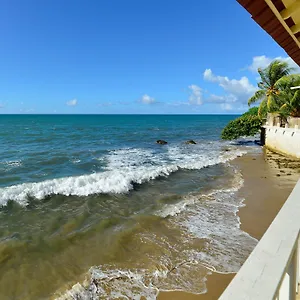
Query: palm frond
x=276, y=70
x=295, y=101
x=284, y=106
x=262, y=109
x=287, y=81
x=259, y=95
x=265, y=81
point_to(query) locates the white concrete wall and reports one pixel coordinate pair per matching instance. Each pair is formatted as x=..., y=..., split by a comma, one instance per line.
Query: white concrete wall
x=283, y=140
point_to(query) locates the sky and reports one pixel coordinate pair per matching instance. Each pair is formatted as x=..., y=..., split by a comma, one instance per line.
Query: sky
x=131, y=57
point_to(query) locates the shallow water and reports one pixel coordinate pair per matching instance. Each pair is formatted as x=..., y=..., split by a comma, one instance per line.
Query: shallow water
x=93, y=200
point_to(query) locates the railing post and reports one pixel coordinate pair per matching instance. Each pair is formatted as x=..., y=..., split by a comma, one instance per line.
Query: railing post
x=298, y=265
x=284, y=290
x=288, y=288
x=292, y=271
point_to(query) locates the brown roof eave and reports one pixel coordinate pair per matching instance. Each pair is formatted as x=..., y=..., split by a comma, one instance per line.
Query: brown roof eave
x=262, y=14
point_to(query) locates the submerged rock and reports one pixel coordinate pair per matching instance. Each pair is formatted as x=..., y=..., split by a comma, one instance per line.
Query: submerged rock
x=191, y=142
x=161, y=142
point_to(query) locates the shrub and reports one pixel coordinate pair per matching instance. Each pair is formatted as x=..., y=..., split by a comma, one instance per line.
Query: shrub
x=247, y=125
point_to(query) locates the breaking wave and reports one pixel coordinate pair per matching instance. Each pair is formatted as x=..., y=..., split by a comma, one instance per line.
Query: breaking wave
x=123, y=169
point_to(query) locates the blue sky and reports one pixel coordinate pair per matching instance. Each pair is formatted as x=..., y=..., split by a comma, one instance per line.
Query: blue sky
x=133, y=56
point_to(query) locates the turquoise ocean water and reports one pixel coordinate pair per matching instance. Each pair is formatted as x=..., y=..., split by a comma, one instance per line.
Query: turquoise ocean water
x=93, y=208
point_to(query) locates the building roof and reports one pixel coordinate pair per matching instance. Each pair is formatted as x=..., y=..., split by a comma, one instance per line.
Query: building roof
x=280, y=19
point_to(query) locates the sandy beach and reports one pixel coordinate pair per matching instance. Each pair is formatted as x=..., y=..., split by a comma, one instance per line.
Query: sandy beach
x=268, y=180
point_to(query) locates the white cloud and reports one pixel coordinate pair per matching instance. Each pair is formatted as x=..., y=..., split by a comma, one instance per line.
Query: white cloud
x=230, y=98
x=178, y=103
x=238, y=91
x=263, y=61
x=72, y=102
x=241, y=87
x=146, y=99
x=196, y=95
x=208, y=75
x=226, y=106
x=227, y=102
x=2, y=105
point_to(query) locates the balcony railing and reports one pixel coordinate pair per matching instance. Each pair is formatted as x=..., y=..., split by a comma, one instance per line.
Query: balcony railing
x=272, y=269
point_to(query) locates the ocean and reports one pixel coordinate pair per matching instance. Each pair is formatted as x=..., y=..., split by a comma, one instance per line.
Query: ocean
x=93, y=208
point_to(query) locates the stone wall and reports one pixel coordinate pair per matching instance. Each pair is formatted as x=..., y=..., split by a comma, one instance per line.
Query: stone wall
x=273, y=119
x=293, y=122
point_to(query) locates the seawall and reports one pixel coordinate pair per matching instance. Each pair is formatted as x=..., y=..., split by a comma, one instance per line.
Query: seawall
x=285, y=141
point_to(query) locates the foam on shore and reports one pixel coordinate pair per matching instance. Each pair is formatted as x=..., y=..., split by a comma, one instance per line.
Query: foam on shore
x=210, y=218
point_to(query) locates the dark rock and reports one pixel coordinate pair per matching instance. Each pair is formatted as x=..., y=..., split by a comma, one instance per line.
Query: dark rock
x=191, y=142
x=161, y=142
x=257, y=142
x=277, y=174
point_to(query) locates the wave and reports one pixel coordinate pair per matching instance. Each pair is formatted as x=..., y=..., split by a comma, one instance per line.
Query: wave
x=11, y=164
x=214, y=217
x=124, y=168
x=210, y=219
x=124, y=284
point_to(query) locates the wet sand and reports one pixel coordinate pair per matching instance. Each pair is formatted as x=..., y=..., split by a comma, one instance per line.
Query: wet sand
x=268, y=180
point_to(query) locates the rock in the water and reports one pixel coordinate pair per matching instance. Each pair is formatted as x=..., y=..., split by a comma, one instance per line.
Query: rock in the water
x=191, y=142
x=161, y=142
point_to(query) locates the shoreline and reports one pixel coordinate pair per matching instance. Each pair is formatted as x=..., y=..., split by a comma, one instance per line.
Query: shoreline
x=267, y=184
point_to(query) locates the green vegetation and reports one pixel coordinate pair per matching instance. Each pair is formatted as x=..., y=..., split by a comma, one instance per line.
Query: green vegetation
x=247, y=125
x=275, y=96
x=270, y=86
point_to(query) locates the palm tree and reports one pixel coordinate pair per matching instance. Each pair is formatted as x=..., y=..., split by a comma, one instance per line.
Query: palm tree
x=269, y=86
x=290, y=99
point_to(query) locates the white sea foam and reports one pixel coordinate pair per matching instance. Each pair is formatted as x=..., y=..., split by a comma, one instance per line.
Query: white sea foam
x=114, y=284
x=214, y=218
x=211, y=218
x=11, y=164
x=123, y=168
x=75, y=161
x=187, y=201
x=136, y=284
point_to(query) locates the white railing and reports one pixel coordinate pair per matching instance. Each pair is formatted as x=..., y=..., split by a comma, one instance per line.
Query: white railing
x=272, y=269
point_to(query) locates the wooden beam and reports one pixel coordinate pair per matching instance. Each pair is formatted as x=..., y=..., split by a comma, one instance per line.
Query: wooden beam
x=280, y=19
x=295, y=28
x=286, y=13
